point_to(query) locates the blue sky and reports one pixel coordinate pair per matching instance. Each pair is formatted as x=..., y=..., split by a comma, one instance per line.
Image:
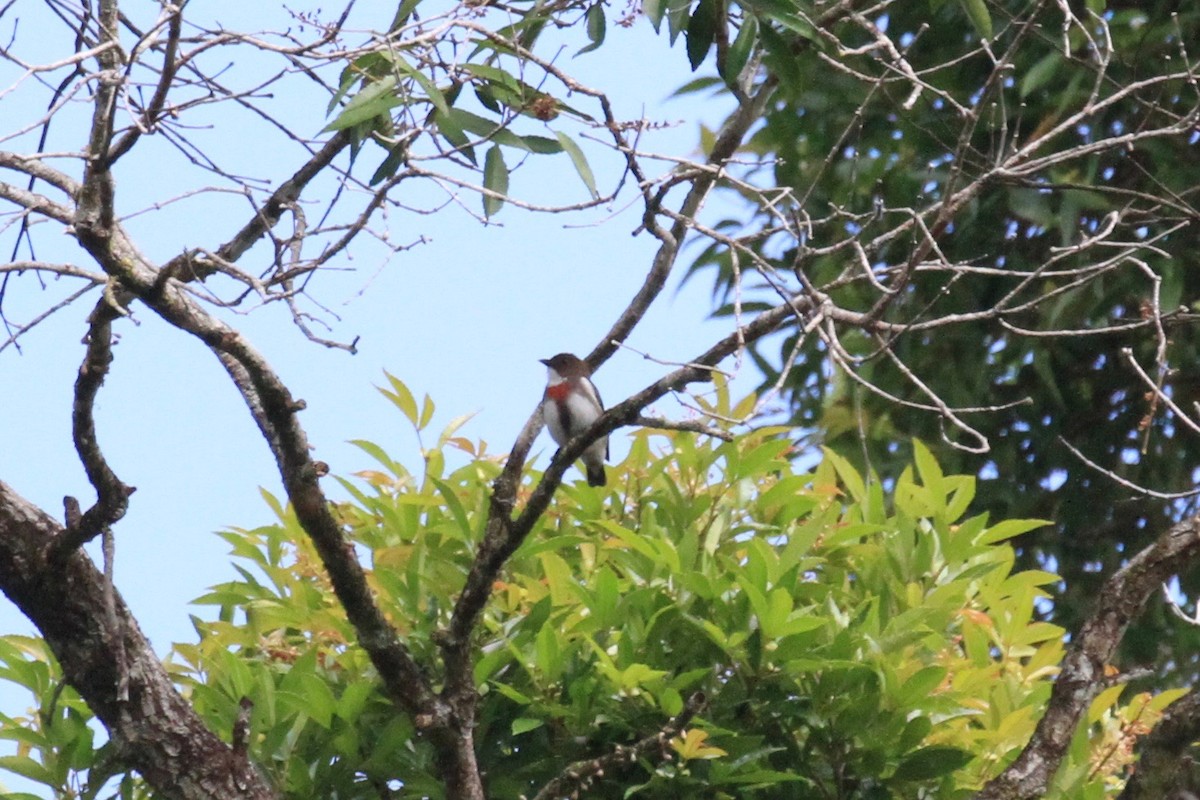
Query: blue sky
x=464, y=318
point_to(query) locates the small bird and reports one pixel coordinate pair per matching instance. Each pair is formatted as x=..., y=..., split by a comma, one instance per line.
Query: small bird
x=571, y=404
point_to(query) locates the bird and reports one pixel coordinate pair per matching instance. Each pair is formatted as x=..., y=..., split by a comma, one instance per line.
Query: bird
x=569, y=407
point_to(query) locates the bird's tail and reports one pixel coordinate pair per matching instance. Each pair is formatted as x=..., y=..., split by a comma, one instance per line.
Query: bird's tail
x=595, y=475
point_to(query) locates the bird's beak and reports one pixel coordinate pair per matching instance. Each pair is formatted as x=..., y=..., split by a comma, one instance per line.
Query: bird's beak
x=545, y=361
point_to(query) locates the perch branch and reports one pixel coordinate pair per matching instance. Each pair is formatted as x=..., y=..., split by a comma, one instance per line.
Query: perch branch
x=582, y=774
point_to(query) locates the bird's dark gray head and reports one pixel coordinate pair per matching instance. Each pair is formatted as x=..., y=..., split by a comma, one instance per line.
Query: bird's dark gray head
x=567, y=365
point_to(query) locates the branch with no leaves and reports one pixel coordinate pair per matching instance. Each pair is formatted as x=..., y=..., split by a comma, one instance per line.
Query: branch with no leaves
x=1081, y=676
x=275, y=411
x=1128, y=484
x=686, y=425
x=582, y=774
x=112, y=495
x=174, y=22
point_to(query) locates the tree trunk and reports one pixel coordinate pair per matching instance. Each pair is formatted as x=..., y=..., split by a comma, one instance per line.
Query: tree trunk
x=156, y=731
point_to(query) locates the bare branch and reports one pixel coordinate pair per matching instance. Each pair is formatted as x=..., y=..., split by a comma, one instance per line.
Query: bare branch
x=150, y=116
x=160, y=734
x=1128, y=484
x=686, y=425
x=112, y=495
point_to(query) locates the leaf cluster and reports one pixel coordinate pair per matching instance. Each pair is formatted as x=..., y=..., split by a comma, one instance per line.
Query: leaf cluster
x=392, y=94
x=1038, y=321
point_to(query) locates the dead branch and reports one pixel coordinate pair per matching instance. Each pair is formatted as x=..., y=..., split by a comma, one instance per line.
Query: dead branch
x=685, y=425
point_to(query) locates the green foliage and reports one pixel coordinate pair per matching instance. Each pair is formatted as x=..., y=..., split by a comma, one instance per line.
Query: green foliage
x=55, y=743
x=850, y=641
x=862, y=150
x=390, y=96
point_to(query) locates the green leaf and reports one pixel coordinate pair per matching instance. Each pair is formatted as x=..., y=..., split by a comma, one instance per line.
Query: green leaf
x=401, y=397
x=596, y=25
x=931, y=762
x=779, y=58
x=788, y=15
x=1041, y=73
x=542, y=145
x=740, y=51
x=525, y=725
x=403, y=13
x=921, y=684
x=489, y=129
x=677, y=18
x=374, y=100
x=931, y=473
x=654, y=10
x=456, y=508
x=914, y=733
x=427, y=408
x=27, y=768
x=558, y=579
x=701, y=31
x=452, y=132
x=1010, y=528
x=580, y=161
x=391, y=164
x=981, y=18
x=549, y=656
x=495, y=178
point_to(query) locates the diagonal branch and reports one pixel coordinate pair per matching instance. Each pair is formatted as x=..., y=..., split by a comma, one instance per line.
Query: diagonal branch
x=1080, y=678
x=582, y=774
x=727, y=143
x=282, y=198
x=275, y=411
x=504, y=534
x=34, y=202
x=686, y=425
x=158, y=101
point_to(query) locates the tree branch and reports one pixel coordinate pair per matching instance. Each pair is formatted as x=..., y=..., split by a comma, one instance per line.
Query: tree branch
x=582, y=774
x=166, y=78
x=156, y=732
x=112, y=495
x=504, y=534
x=1080, y=677
x=686, y=425
x=727, y=143
x=1162, y=765
x=275, y=411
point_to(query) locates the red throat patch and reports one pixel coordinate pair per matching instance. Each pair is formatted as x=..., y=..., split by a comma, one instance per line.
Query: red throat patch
x=559, y=391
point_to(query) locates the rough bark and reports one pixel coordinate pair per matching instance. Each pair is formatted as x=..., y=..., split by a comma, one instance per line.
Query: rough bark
x=1164, y=768
x=156, y=731
x=1081, y=676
